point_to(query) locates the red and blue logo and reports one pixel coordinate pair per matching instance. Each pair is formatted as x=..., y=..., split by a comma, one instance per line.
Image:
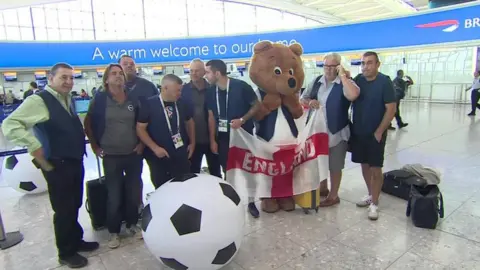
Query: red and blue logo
x=450, y=25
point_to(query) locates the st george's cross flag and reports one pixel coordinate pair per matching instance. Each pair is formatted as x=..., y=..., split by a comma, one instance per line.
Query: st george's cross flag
x=262, y=169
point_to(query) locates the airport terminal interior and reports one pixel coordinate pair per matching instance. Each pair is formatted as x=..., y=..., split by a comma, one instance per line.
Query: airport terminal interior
x=440, y=133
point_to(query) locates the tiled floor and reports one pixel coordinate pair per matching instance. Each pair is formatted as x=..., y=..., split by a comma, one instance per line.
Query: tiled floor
x=340, y=237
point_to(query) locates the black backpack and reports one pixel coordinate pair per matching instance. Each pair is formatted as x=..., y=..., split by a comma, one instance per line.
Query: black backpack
x=425, y=206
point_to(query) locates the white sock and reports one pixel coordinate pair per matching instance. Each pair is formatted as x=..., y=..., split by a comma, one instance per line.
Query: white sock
x=251, y=199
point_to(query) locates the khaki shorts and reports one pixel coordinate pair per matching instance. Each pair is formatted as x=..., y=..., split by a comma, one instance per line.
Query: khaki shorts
x=337, y=155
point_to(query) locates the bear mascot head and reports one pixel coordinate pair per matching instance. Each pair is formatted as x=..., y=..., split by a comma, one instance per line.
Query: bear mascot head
x=278, y=71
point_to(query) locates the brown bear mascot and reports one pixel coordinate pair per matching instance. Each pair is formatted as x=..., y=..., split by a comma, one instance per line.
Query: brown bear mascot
x=277, y=70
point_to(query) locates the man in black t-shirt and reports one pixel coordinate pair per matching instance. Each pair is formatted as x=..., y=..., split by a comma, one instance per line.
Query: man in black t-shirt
x=166, y=127
x=373, y=111
x=400, y=86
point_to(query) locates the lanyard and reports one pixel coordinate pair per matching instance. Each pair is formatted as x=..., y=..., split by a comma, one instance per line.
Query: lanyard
x=168, y=119
x=226, y=101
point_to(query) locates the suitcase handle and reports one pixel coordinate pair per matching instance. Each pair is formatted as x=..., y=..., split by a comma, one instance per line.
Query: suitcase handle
x=100, y=179
x=86, y=206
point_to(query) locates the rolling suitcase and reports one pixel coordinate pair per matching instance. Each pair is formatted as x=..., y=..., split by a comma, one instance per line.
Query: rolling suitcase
x=308, y=200
x=398, y=183
x=96, y=203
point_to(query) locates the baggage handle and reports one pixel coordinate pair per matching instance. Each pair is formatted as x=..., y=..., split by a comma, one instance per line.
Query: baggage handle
x=441, y=210
x=99, y=179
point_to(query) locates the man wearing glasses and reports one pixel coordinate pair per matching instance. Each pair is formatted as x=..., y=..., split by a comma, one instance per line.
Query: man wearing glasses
x=333, y=92
x=372, y=113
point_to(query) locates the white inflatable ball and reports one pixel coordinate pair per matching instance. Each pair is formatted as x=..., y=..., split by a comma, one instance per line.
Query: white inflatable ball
x=22, y=175
x=194, y=222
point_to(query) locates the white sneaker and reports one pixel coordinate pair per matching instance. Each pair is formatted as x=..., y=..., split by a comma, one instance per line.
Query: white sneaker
x=135, y=231
x=114, y=241
x=366, y=201
x=373, y=212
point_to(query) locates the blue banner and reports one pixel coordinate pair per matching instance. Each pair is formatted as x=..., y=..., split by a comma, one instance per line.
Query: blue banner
x=444, y=26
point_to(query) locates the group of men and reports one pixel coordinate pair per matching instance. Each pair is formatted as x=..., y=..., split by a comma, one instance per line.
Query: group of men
x=183, y=123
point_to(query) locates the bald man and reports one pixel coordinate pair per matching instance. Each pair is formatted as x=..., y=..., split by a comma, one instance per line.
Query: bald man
x=193, y=94
x=166, y=127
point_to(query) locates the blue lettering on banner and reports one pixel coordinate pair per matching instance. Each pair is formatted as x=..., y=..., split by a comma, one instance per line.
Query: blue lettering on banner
x=430, y=28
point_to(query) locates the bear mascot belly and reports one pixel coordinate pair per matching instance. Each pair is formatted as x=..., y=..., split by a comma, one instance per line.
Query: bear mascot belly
x=277, y=70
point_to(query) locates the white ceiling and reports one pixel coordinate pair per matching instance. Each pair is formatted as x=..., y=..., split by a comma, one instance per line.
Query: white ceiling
x=334, y=11
x=8, y=4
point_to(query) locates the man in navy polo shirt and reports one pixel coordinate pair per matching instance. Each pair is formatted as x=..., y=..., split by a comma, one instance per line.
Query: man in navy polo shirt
x=231, y=104
x=166, y=127
x=373, y=111
x=194, y=94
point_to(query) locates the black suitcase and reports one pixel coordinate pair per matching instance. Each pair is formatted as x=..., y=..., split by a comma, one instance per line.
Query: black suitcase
x=425, y=205
x=96, y=203
x=399, y=182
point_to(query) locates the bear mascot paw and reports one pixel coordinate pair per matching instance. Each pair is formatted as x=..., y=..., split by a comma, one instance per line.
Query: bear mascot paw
x=278, y=72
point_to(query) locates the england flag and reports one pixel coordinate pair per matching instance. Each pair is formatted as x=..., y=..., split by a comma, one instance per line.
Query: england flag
x=263, y=169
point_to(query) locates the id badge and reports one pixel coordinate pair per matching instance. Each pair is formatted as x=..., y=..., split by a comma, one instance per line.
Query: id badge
x=177, y=140
x=222, y=125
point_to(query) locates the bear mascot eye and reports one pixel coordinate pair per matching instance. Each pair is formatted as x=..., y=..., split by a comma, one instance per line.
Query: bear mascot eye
x=290, y=71
x=277, y=70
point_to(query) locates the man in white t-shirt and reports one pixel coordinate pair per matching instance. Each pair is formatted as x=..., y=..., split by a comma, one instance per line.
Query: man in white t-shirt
x=475, y=96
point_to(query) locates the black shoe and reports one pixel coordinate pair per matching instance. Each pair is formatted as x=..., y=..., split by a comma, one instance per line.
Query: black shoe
x=87, y=246
x=391, y=128
x=402, y=125
x=74, y=261
x=252, y=209
x=471, y=114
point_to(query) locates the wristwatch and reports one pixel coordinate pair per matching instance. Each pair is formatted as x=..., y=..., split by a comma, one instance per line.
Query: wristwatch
x=243, y=121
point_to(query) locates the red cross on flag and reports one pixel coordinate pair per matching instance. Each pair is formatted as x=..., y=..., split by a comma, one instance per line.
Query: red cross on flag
x=263, y=169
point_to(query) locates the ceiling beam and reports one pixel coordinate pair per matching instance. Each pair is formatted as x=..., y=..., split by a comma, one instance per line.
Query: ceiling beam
x=293, y=8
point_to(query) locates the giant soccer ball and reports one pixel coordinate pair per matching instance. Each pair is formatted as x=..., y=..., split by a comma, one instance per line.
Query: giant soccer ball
x=194, y=222
x=22, y=175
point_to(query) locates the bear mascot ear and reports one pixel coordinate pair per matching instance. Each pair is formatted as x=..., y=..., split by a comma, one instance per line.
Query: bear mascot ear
x=262, y=46
x=296, y=49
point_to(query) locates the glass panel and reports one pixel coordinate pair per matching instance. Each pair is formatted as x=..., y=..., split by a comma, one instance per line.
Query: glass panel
x=13, y=33
x=63, y=6
x=85, y=5
x=99, y=21
x=64, y=19
x=161, y=13
x=239, y=18
x=53, y=34
x=10, y=17
x=265, y=17
x=312, y=23
x=24, y=17
x=1, y=18
x=77, y=35
x=27, y=33
x=3, y=35
x=76, y=18
x=41, y=33
x=291, y=21
x=205, y=18
x=65, y=34
x=52, y=18
x=86, y=20
x=38, y=17
x=88, y=35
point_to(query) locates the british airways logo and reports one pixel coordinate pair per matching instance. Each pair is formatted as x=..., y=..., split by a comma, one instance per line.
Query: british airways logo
x=450, y=25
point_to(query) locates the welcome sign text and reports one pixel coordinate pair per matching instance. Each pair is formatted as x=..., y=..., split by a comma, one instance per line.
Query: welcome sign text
x=169, y=51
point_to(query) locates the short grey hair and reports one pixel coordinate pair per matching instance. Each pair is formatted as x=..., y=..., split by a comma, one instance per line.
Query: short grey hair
x=335, y=56
x=196, y=60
